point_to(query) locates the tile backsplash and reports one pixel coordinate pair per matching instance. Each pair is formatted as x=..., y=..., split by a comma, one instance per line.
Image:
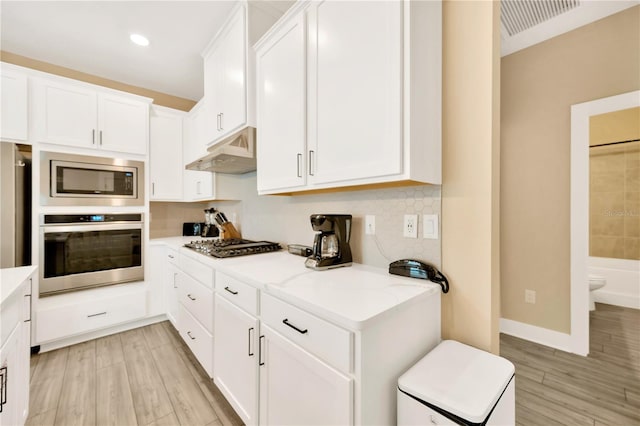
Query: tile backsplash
x=285, y=219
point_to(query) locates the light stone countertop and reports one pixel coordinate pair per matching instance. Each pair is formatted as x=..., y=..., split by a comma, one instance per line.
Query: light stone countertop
x=11, y=278
x=353, y=297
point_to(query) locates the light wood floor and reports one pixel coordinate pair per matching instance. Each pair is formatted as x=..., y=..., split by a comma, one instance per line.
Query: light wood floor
x=146, y=376
x=557, y=388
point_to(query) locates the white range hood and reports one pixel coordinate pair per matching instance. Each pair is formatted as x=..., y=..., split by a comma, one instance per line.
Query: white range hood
x=235, y=154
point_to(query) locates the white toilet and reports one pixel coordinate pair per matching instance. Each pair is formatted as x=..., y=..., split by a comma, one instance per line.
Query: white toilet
x=595, y=282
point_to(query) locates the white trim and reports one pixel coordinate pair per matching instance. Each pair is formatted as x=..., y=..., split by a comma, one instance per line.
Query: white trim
x=540, y=335
x=616, y=298
x=580, y=114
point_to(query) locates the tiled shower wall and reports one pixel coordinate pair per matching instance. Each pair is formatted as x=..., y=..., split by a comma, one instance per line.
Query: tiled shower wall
x=285, y=219
x=614, y=225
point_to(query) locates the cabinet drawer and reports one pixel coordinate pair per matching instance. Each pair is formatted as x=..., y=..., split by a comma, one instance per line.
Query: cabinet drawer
x=241, y=294
x=95, y=313
x=198, y=339
x=197, y=299
x=325, y=340
x=173, y=256
x=199, y=271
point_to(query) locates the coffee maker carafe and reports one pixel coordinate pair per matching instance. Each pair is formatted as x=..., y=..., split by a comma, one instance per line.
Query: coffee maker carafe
x=331, y=244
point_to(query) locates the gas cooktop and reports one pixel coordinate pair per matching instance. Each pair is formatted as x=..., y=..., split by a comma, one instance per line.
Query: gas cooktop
x=232, y=247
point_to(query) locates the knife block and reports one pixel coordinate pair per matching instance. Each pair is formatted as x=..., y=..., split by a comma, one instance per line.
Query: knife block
x=229, y=231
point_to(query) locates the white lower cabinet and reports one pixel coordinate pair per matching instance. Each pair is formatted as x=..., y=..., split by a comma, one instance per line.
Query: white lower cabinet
x=236, y=358
x=198, y=338
x=297, y=388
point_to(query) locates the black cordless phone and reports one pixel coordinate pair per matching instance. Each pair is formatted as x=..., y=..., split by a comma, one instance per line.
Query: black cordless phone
x=417, y=269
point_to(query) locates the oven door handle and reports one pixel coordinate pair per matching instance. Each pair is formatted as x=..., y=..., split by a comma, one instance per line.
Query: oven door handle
x=88, y=227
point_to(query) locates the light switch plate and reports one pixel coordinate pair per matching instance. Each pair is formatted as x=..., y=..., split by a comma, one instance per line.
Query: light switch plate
x=430, y=226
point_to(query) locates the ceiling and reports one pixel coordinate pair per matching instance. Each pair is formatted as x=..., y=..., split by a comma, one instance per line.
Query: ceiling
x=93, y=36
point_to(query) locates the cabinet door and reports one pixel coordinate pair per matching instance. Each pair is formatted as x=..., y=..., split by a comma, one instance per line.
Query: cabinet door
x=66, y=114
x=156, y=280
x=194, y=136
x=171, y=293
x=123, y=125
x=198, y=185
x=234, y=75
x=297, y=388
x=235, y=358
x=210, y=127
x=13, y=115
x=355, y=98
x=10, y=354
x=165, y=156
x=281, y=97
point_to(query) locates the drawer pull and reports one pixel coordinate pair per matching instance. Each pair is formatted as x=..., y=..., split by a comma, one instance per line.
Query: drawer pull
x=95, y=315
x=3, y=386
x=171, y=256
x=260, y=362
x=189, y=296
x=230, y=291
x=286, y=322
x=250, y=351
x=189, y=333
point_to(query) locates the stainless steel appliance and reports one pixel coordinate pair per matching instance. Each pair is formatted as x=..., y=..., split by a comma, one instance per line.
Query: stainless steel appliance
x=15, y=213
x=235, y=154
x=331, y=244
x=79, y=251
x=80, y=180
x=232, y=247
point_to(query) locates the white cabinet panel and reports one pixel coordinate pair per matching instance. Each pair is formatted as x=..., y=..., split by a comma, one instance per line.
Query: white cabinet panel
x=156, y=277
x=66, y=114
x=281, y=100
x=171, y=292
x=355, y=90
x=165, y=155
x=197, y=338
x=198, y=185
x=297, y=388
x=13, y=115
x=197, y=299
x=10, y=354
x=123, y=124
x=235, y=358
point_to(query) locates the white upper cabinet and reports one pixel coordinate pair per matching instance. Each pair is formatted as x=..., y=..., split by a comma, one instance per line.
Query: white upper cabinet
x=369, y=109
x=14, y=111
x=225, y=78
x=80, y=116
x=165, y=154
x=281, y=100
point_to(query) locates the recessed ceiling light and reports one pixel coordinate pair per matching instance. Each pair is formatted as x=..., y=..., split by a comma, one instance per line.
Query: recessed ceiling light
x=140, y=40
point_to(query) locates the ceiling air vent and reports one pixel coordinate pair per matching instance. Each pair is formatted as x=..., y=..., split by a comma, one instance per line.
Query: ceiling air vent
x=519, y=15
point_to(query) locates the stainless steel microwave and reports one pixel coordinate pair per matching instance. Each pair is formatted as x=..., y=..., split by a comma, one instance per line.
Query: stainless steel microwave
x=80, y=180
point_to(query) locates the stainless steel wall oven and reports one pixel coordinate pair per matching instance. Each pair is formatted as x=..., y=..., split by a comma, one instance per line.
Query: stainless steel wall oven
x=73, y=180
x=79, y=251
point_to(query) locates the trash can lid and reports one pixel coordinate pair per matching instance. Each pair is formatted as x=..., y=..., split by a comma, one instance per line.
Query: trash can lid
x=459, y=379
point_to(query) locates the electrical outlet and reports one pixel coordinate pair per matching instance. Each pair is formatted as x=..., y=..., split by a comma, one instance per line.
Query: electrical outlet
x=370, y=224
x=410, y=229
x=530, y=296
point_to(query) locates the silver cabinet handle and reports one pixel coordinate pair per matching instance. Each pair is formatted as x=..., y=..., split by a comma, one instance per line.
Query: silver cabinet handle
x=221, y=121
x=95, y=315
x=311, y=155
x=93, y=136
x=218, y=122
x=189, y=333
x=250, y=351
x=198, y=188
x=153, y=188
x=29, y=318
x=100, y=137
x=189, y=296
x=299, y=165
x=175, y=275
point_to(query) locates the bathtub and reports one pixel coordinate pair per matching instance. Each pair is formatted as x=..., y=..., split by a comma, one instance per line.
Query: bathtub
x=623, y=281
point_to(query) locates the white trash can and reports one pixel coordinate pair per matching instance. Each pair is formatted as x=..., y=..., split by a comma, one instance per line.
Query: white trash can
x=457, y=384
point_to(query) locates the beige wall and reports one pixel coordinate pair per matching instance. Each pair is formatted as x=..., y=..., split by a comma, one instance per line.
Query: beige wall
x=614, y=187
x=538, y=87
x=158, y=97
x=471, y=161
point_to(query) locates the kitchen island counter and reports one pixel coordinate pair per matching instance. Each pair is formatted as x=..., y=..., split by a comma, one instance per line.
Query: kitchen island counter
x=11, y=278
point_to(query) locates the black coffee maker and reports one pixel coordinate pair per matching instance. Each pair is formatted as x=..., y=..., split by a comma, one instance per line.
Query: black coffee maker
x=331, y=244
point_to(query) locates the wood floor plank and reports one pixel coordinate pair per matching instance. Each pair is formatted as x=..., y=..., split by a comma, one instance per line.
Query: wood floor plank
x=150, y=398
x=113, y=392
x=168, y=420
x=189, y=404
x=46, y=381
x=33, y=363
x=46, y=418
x=632, y=397
x=530, y=417
x=155, y=335
x=109, y=351
x=523, y=370
x=77, y=405
x=550, y=409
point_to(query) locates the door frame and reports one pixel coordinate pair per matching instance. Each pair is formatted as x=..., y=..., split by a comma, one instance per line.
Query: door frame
x=580, y=114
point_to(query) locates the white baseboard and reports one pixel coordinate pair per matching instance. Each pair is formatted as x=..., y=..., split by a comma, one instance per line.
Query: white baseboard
x=618, y=299
x=57, y=344
x=536, y=334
